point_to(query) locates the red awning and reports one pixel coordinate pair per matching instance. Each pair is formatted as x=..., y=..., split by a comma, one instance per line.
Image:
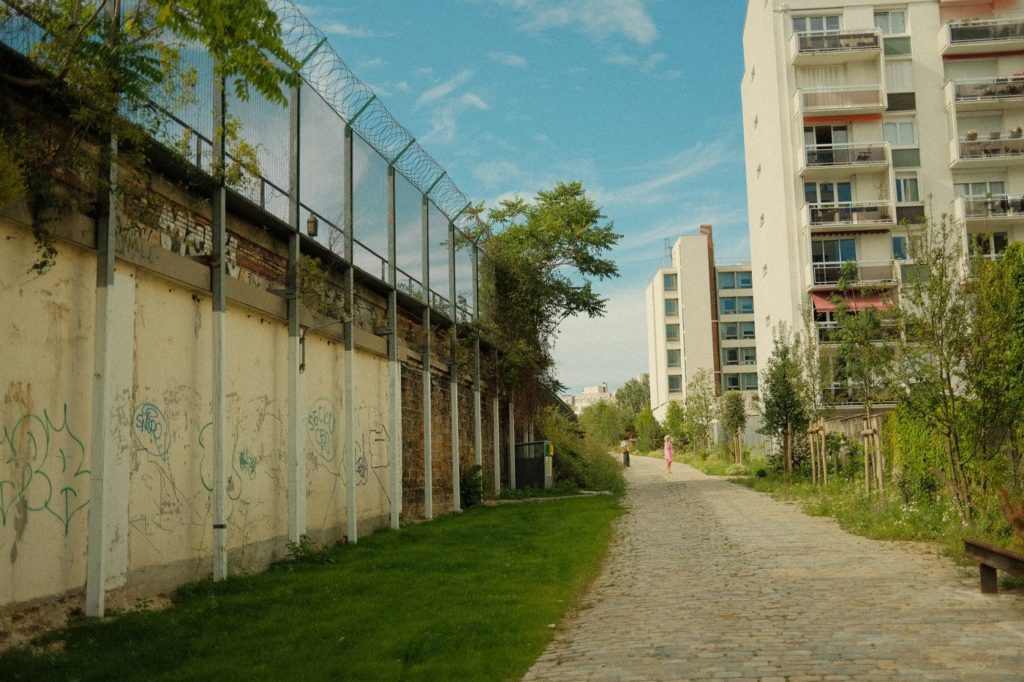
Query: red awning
x=823, y=303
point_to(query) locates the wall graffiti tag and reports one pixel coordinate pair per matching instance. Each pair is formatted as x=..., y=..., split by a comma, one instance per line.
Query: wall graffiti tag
x=320, y=429
x=152, y=431
x=42, y=469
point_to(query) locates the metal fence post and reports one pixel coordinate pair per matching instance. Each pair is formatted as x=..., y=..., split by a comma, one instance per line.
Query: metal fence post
x=218, y=273
x=296, y=459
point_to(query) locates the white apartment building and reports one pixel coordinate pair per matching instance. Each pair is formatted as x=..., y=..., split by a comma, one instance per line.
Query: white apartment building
x=591, y=395
x=858, y=115
x=699, y=317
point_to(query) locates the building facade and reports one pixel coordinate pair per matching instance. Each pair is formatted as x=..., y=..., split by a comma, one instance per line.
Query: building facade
x=863, y=119
x=699, y=317
x=591, y=395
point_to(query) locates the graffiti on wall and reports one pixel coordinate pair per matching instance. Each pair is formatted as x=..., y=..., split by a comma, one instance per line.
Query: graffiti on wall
x=320, y=428
x=42, y=469
x=152, y=432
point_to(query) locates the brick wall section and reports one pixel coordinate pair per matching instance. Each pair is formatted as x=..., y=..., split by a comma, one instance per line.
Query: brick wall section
x=412, y=444
x=467, y=454
x=441, y=411
x=487, y=426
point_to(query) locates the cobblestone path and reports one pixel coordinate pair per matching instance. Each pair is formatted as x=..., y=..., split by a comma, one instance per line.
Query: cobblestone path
x=709, y=580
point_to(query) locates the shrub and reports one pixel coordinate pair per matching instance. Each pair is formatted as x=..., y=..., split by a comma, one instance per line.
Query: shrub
x=580, y=460
x=471, y=486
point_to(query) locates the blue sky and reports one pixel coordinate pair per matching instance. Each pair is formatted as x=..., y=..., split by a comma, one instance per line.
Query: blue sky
x=638, y=99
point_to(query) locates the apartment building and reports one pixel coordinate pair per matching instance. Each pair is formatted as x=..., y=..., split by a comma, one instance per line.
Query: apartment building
x=591, y=395
x=860, y=115
x=699, y=317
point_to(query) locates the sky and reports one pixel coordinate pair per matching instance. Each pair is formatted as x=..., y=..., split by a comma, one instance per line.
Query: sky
x=637, y=99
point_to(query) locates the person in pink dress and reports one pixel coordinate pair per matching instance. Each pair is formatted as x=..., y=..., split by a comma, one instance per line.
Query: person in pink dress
x=668, y=454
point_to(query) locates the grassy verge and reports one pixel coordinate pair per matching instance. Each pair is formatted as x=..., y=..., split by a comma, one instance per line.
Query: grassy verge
x=464, y=597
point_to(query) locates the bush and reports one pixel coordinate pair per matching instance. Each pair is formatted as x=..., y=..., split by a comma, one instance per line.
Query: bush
x=471, y=486
x=737, y=470
x=579, y=460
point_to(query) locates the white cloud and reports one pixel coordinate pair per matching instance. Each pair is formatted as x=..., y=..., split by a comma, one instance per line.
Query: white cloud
x=371, y=63
x=443, y=123
x=646, y=65
x=687, y=164
x=597, y=18
x=342, y=29
x=442, y=90
x=507, y=59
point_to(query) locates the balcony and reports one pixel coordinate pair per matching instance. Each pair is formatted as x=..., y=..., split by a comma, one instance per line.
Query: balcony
x=981, y=37
x=966, y=153
x=828, y=331
x=983, y=212
x=985, y=94
x=834, y=47
x=867, y=216
x=840, y=101
x=854, y=274
x=833, y=161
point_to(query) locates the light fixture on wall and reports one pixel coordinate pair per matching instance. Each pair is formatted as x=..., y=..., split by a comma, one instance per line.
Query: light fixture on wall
x=312, y=225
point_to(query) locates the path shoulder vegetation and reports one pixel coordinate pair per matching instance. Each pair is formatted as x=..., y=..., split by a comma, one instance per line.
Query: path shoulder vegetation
x=469, y=596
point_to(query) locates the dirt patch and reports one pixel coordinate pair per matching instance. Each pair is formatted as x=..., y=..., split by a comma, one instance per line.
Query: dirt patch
x=20, y=626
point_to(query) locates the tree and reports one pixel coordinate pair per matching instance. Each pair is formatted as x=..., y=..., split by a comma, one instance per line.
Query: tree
x=648, y=431
x=604, y=422
x=674, y=423
x=733, y=411
x=114, y=79
x=543, y=259
x=783, y=410
x=634, y=396
x=700, y=410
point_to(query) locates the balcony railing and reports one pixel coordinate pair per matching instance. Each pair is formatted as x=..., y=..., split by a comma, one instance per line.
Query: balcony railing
x=844, y=155
x=961, y=37
x=971, y=208
x=829, y=273
x=977, y=151
x=849, y=213
x=982, y=93
x=828, y=331
x=850, y=99
x=835, y=46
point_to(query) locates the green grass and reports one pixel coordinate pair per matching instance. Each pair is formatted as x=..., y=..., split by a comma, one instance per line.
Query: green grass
x=466, y=597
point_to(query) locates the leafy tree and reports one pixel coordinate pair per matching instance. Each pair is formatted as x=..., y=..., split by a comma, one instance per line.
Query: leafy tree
x=783, y=410
x=700, y=409
x=543, y=258
x=634, y=396
x=733, y=413
x=603, y=422
x=648, y=431
x=674, y=423
x=113, y=78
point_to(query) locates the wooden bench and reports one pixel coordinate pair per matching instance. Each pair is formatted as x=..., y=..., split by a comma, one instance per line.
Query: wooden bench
x=991, y=558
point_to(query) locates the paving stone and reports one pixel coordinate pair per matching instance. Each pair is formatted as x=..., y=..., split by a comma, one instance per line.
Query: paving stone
x=707, y=580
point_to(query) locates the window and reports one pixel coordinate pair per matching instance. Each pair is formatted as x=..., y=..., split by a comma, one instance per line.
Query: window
x=896, y=47
x=730, y=331
x=748, y=356
x=827, y=192
x=899, y=133
x=891, y=21
x=730, y=356
x=746, y=330
x=671, y=332
x=906, y=189
x=671, y=307
x=675, y=383
x=673, y=358
x=899, y=248
x=827, y=22
x=744, y=280
x=731, y=381
x=669, y=282
x=825, y=135
x=833, y=250
x=726, y=280
x=989, y=244
x=987, y=188
x=899, y=77
x=746, y=305
x=727, y=305
x=748, y=381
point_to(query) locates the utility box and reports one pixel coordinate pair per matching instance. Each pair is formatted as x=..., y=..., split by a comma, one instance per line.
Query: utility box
x=535, y=464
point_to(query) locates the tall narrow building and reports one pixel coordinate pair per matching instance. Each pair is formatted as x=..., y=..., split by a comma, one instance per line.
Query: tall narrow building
x=860, y=118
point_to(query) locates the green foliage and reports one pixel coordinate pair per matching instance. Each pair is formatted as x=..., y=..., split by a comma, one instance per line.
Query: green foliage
x=471, y=486
x=732, y=412
x=308, y=551
x=634, y=396
x=12, y=178
x=542, y=261
x=579, y=460
x=701, y=409
x=562, y=489
x=465, y=597
x=782, y=387
x=604, y=423
x=915, y=454
x=648, y=431
x=675, y=423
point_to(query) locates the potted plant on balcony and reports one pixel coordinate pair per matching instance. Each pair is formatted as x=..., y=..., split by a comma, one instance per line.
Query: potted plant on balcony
x=971, y=135
x=994, y=135
x=1015, y=132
